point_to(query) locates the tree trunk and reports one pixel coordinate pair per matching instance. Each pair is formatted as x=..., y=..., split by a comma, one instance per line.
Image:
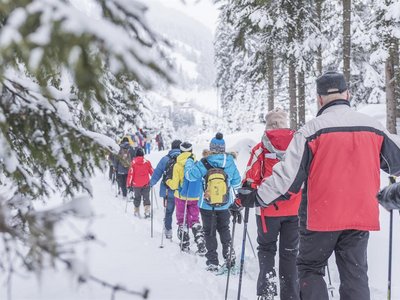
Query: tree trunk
x=390, y=84
x=346, y=39
x=292, y=94
x=319, y=22
x=271, y=83
x=301, y=87
x=397, y=78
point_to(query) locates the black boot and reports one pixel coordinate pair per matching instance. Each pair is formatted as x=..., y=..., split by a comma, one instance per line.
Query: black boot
x=198, y=234
x=183, y=236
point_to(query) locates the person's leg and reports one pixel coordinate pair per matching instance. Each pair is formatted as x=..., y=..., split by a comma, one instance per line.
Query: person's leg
x=351, y=259
x=315, y=248
x=266, y=282
x=119, y=182
x=137, y=197
x=169, y=210
x=145, y=191
x=223, y=219
x=288, y=250
x=180, y=207
x=123, y=184
x=210, y=236
x=193, y=212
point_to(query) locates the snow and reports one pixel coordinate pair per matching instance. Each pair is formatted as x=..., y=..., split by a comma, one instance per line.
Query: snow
x=124, y=252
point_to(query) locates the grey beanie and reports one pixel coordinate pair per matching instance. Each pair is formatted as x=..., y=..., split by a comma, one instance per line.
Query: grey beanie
x=276, y=118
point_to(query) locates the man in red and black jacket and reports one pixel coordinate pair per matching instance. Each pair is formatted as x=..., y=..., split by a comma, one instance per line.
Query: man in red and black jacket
x=278, y=220
x=338, y=157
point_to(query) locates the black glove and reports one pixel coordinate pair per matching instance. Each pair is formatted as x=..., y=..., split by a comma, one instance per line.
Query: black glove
x=389, y=197
x=235, y=209
x=248, y=197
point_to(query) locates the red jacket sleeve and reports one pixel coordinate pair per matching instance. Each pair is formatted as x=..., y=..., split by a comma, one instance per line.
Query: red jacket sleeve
x=254, y=172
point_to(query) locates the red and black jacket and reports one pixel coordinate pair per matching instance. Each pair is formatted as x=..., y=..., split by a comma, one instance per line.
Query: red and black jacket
x=139, y=173
x=338, y=157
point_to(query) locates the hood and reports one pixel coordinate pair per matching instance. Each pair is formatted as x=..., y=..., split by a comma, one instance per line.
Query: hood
x=174, y=152
x=220, y=160
x=182, y=158
x=139, y=160
x=277, y=141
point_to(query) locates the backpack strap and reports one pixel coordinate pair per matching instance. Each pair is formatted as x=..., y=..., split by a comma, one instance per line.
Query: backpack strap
x=206, y=163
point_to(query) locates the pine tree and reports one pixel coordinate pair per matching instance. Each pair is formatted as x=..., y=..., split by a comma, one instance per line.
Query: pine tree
x=61, y=73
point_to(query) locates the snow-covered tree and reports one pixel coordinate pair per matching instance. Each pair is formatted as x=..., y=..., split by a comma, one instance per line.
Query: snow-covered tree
x=61, y=73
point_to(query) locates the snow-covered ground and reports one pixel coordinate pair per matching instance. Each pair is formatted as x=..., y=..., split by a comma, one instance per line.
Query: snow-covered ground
x=126, y=254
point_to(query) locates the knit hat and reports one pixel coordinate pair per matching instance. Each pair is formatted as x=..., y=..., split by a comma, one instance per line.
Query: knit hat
x=139, y=152
x=186, y=147
x=176, y=144
x=217, y=143
x=331, y=83
x=276, y=118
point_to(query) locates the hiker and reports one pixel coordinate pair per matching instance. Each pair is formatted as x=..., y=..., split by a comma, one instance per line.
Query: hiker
x=187, y=194
x=160, y=142
x=273, y=221
x=138, y=181
x=216, y=217
x=337, y=156
x=165, y=167
x=121, y=163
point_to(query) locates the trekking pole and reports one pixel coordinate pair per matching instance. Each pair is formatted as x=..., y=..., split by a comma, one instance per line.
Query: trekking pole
x=330, y=287
x=163, y=227
x=392, y=180
x=184, y=225
x=245, y=221
x=251, y=245
x=156, y=199
x=151, y=211
x=230, y=255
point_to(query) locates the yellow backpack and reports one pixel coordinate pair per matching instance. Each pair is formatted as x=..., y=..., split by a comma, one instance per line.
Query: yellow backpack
x=216, y=191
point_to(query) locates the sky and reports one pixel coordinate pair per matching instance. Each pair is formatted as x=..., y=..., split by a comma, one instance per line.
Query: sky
x=203, y=11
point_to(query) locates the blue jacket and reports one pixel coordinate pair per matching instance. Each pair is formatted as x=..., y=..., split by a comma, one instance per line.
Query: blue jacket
x=158, y=173
x=195, y=171
x=184, y=189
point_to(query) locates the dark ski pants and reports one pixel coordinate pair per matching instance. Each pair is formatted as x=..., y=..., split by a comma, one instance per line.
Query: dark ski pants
x=214, y=221
x=287, y=228
x=140, y=192
x=121, y=178
x=169, y=203
x=350, y=248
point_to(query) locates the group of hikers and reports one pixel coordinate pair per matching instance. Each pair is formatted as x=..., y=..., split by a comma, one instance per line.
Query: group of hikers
x=316, y=189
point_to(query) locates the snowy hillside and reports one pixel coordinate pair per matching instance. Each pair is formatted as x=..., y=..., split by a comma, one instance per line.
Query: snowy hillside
x=192, y=100
x=126, y=254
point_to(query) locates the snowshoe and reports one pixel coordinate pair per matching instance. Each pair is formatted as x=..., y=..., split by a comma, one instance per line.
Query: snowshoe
x=183, y=236
x=223, y=270
x=212, y=268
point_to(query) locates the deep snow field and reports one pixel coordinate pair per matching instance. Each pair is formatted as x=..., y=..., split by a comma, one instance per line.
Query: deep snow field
x=124, y=252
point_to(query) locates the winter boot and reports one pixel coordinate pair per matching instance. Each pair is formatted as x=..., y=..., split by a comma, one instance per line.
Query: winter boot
x=265, y=297
x=136, y=212
x=147, y=211
x=212, y=268
x=198, y=234
x=168, y=233
x=183, y=236
x=229, y=262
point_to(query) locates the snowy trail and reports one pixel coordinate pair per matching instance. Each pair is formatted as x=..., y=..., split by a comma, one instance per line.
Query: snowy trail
x=128, y=256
